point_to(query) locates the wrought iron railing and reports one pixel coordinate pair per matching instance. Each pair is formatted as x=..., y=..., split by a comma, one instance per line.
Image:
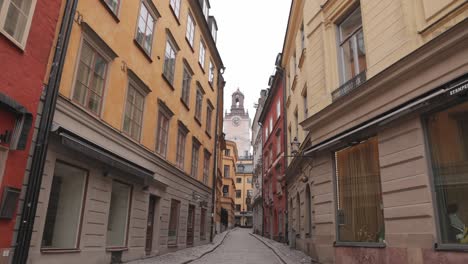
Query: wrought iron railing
x=350, y=85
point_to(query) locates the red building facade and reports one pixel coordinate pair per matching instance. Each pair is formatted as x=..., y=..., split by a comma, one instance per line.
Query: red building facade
x=27, y=33
x=273, y=159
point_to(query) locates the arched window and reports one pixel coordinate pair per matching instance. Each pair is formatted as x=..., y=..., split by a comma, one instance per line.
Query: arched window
x=298, y=216
x=308, y=204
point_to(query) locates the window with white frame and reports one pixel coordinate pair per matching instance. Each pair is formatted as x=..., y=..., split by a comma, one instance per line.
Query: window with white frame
x=133, y=117
x=271, y=125
x=175, y=6
x=169, y=61
x=163, y=132
x=205, y=9
x=90, y=78
x=352, y=49
x=113, y=5
x=195, y=158
x=186, y=81
x=119, y=211
x=181, y=140
x=199, y=104
x=145, y=29
x=211, y=73
x=306, y=107
x=209, y=117
x=15, y=20
x=206, y=167
x=201, y=55
x=190, y=34
x=63, y=217
x=278, y=109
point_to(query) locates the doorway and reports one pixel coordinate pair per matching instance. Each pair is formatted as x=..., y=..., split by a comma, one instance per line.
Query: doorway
x=150, y=224
x=190, y=225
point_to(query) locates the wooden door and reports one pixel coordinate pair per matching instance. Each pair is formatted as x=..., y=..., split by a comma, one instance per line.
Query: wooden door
x=150, y=224
x=190, y=225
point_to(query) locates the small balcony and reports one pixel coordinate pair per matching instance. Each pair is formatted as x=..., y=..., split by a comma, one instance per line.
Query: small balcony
x=349, y=86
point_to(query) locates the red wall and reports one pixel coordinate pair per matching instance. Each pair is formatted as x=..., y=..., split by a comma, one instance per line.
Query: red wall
x=270, y=173
x=22, y=75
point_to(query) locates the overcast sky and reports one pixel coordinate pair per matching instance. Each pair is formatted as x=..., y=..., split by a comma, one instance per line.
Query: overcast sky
x=251, y=34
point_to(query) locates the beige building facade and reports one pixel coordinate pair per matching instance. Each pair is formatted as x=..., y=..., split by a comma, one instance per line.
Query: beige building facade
x=130, y=167
x=244, y=192
x=376, y=96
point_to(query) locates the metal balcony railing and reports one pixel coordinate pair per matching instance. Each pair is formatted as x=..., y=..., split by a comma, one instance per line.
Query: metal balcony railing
x=348, y=86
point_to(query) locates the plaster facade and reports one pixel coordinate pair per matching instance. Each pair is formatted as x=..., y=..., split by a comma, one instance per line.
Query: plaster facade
x=237, y=124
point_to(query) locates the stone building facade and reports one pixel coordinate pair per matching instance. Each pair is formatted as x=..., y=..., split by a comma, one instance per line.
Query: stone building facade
x=380, y=175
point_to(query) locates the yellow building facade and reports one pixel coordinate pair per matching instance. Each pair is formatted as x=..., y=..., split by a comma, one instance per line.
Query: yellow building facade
x=244, y=192
x=375, y=75
x=137, y=123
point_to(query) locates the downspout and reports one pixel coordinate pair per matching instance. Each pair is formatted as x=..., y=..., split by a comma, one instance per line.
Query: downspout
x=31, y=198
x=285, y=140
x=221, y=84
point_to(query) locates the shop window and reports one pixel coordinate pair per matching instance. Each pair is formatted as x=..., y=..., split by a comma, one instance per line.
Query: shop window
x=119, y=210
x=63, y=217
x=359, y=201
x=203, y=224
x=173, y=223
x=448, y=144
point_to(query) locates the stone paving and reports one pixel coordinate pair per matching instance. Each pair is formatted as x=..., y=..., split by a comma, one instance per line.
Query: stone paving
x=240, y=247
x=286, y=254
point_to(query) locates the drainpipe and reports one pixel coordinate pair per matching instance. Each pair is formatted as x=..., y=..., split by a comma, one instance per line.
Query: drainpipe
x=221, y=84
x=31, y=198
x=285, y=140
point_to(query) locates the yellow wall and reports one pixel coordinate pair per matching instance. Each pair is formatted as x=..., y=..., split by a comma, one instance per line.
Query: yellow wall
x=392, y=29
x=120, y=37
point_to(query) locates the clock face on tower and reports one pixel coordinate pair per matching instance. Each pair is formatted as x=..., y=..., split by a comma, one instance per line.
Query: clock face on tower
x=236, y=121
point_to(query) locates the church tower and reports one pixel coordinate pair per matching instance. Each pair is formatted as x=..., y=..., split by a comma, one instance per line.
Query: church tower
x=237, y=124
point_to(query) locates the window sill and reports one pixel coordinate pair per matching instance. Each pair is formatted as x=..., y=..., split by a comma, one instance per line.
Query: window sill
x=185, y=104
x=174, y=14
x=359, y=244
x=201, y=67
x=172, y=245
x=168, y=82
x=114, y=15
x=451, y=247
x=145, y=53
x=114, y=249
x=59, y=250
x=190, y=45
x=198, y=121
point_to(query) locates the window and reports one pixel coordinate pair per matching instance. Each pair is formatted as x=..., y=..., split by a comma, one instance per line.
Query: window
x=238, y=207
x=205, y=9
x=306, y=107
x=294, y=63
x=61, y=229
x=448, y=145
x=15, y=20
x=352, y=50
x=249, y=192
x=187, y=79
x=113, y=5
x=211, y=73
x=133, y=118
x=227, y=171
x=209, y=114
x=359, y=201
x=308, y=205
x=146, y=21
x=163, y=130
x=302, y=37
x=118, y=215
x=181, y=139
x=201, y=55
x=278, y=109
x=206, y=167
x=90, y=79
x=296, y=123
x=198, y=104
x=169, y=62
x=173, y=223
x=278, y=142
x=249, y=180
x=238, y=194
x=195, y=158
x=225, y=190
x=203, y=224
x=175, y=5
x=238, y=180
x=190, y=34
x=227, y=152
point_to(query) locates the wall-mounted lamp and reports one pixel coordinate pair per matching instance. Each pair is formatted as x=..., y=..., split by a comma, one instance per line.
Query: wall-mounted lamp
x=295, y=144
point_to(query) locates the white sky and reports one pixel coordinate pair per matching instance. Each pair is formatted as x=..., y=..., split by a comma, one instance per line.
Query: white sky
x=251, y=34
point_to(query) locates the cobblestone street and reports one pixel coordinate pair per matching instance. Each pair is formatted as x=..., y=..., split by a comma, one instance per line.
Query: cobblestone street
x=240, y=247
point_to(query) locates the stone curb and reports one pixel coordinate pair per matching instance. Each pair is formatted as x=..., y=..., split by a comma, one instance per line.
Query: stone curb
x=212, y=249
x=270, y=247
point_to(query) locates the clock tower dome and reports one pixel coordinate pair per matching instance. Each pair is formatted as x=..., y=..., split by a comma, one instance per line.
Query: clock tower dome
x=237, y=124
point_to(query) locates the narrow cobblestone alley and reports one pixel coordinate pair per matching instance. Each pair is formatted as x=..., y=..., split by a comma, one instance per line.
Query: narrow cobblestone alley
x=240, y=247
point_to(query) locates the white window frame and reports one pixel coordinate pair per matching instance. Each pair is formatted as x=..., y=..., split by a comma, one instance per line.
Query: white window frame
x=3, y=15
x=132, y=85
x=3, y=159
x=175, y=6
x=190, y=30
x=155, y=18
x=211, y=73
x=201, y=55
x=278, y=109
x=169, y=74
